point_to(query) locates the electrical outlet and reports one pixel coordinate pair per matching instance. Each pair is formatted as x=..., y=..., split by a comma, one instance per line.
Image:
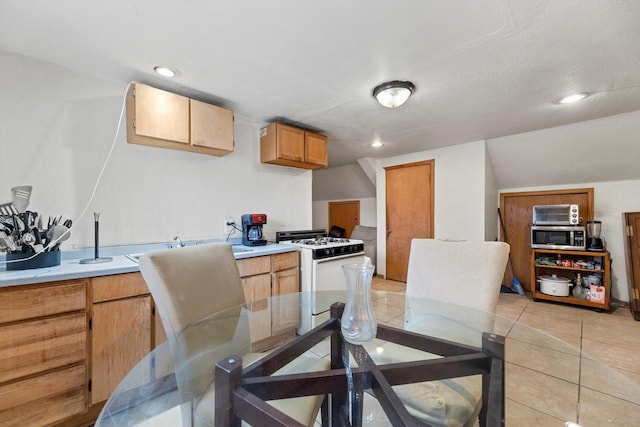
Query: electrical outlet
x=228, y=226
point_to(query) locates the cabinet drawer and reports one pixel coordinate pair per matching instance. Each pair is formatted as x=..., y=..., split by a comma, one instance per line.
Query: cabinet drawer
x=40, y=345
x=285, y=261
x=40, y=387
x=253, y=266
x=47, y=411
x=28, y=302
x=117, y=286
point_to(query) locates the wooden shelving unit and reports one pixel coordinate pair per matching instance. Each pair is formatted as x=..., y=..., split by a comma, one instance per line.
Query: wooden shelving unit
x=538, y=270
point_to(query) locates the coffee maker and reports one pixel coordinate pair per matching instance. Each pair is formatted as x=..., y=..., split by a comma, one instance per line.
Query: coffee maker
x=594, y=241
x=252, y=229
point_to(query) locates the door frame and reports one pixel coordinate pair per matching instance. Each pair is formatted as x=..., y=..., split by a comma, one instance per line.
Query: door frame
x=631, y=242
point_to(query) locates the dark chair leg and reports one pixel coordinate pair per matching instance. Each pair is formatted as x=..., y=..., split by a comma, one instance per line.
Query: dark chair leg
x=324, y=412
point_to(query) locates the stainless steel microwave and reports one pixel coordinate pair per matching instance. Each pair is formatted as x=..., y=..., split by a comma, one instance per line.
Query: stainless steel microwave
x=556, y=215
x=571, y=238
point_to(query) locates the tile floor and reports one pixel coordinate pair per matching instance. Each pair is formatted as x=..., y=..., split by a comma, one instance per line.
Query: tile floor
x=549, y=381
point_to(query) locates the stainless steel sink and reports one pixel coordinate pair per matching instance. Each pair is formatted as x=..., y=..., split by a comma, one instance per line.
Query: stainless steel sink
x=235, y=248
x=134, y=257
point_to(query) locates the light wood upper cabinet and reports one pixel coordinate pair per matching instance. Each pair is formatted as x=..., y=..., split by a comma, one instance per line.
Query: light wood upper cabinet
x=289, y=143
x=163, y=119
x=160, y=114
x=290, y=146
x=316, y=149
x=211, y=126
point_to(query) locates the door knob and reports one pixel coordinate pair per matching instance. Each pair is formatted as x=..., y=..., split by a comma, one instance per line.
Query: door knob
x=388, y=231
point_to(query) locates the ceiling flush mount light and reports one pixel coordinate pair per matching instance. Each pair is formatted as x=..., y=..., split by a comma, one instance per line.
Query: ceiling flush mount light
x=573, y=98
x=376, y=144
x=393, y=94
x=165, y=71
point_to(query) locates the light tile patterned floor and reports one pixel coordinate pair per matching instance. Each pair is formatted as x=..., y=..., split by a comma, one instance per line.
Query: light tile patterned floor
x=548, y=381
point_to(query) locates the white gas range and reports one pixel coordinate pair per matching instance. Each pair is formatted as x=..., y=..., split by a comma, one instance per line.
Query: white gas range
x=321, y=261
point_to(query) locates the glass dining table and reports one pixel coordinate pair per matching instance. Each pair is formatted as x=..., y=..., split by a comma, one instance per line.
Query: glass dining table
x=432, y=363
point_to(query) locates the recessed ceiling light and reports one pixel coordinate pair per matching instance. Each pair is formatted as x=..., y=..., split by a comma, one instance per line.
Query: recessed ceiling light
x=165, y=71
x=573, y=98
x=376, y=144
x=393, y=94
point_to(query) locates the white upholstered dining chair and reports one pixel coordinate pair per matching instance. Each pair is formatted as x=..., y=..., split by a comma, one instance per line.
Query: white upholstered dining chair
x=188, y=285
x=465, y=273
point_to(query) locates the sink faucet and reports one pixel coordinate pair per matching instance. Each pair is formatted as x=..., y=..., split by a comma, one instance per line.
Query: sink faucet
x=180, y=242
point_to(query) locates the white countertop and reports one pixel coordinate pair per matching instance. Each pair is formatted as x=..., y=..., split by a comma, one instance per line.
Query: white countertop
x=70, y=267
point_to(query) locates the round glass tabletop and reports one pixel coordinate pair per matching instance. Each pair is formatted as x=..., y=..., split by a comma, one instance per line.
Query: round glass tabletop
x=440, y=363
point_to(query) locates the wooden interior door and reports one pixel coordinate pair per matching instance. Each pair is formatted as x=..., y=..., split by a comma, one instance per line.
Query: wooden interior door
x=517, y=214
x=345, y=215
x=632, y=252
x=409, y=200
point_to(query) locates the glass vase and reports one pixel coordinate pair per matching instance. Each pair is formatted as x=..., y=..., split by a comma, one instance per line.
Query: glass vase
x=358, y=322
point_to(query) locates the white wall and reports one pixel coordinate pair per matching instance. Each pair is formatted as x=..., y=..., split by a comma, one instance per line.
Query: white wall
x=345, y=182
x=611, y=200
x=459, y=193
x=367, y=212
x=491, y=201
x=57, y=127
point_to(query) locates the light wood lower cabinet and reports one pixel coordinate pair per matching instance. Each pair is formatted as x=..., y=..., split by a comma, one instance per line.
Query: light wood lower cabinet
x=270, y=323
x=65, y=346
x=120, y=338
x=285, y=314
x=121, y=330
x=43, y=353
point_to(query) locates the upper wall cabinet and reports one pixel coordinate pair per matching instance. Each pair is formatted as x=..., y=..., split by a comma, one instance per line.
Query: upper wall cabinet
x=290, y=146
x=162, y=119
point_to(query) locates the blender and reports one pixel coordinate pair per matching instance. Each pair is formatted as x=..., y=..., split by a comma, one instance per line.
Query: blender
x=594, y=241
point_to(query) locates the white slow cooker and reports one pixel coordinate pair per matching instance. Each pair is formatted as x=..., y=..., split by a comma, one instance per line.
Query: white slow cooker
x=554, y=285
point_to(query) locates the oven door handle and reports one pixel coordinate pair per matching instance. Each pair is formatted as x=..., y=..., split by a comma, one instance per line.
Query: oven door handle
x=333, y=258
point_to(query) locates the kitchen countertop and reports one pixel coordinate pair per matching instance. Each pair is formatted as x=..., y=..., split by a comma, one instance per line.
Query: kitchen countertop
x=70, y=267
